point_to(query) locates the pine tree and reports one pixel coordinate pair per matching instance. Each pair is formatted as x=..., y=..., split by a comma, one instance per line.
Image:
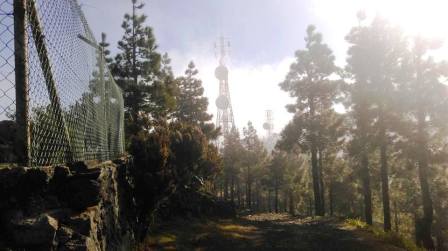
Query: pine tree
x=164, y=91
x=381, y=48
x=255, y=156
x=426, y=116
x=191, y=104
x=358, y=67
x=106, y=52
x=277, y=175
x=233, y=159
x=137, y=70
x=309, y=81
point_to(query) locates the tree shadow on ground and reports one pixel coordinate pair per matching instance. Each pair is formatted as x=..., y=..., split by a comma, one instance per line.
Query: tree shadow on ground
x=261, y=232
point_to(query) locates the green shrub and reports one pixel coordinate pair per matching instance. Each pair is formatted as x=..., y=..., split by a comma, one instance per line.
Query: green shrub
x=391, y=237
x=358, y=223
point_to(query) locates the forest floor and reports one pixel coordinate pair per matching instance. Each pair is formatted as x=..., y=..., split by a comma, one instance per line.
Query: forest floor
x=263, y=232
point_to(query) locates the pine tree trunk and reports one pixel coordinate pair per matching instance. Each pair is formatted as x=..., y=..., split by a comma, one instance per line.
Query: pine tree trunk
x=285, y=201
x=397, y=224
x=249, y=189
x=291, y=203
x=222, y=191
x=426, y=221
x=257, y=198
x=440, y=242
x=385, y=178
x=362, y=123
x=314, y=164
x=365, y=174
x=310, y=206
x=330, y=198
x=232, y=189
x=316, y=182
x=238, y=190
x=226, y=187
x=269, y=201
x=276, y=196
x=321, y=182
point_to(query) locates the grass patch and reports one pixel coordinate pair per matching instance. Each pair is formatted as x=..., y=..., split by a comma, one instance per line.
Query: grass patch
x=194, y=234
x=165, y=241
x=235, y=228
x=7, y=165
x=234, y=231
x=356, y=223
x=391, y=237
x=395, y=239
x=167, y=238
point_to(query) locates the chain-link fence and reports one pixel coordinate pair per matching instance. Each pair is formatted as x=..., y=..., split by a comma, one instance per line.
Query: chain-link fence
x=75, y=109
x=7, y=90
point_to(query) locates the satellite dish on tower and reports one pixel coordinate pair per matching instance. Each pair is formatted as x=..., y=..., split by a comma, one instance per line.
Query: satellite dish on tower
x=221, y=73
x=269, y=124
x=222, y=102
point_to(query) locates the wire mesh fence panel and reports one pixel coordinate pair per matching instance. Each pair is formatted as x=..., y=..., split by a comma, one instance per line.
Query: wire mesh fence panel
x=76, y=108
x=7, y=88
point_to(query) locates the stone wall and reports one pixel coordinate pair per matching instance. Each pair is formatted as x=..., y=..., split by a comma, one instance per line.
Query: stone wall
x=85, y=206
x=8, y=130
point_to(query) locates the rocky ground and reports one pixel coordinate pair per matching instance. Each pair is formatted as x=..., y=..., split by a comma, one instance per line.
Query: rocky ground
x=263, y=232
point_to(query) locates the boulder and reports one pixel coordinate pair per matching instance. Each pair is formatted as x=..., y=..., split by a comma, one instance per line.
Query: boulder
x=79, y=243
x=8, y=130
x=59, y=180
x=33, y=231
x=7, y=136
x=82, y=193
x=80, y=223
x=64, y=235
x=9, y=182
x=61, y=173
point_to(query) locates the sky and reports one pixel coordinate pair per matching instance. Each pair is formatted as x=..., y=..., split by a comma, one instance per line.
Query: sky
x=264, y=34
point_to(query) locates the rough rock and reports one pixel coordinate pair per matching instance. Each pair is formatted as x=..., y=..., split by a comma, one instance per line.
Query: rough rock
x=64, y=235
x=79, y=243
x=82, y=207
x=82, y=193
x=81, y=223
x=33, y=231
x=7, y=131
x=7, y=136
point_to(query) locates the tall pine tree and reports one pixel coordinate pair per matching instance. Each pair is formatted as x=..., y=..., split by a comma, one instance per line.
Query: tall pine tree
x=137, y=70
x=310, y=82
x=381, y=48
x=360, y=105
x=426, y=117
x=191, y=104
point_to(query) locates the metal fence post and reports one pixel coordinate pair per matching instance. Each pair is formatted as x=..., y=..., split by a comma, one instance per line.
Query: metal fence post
x=39, y=39
x=106, y=95
x=23, y=142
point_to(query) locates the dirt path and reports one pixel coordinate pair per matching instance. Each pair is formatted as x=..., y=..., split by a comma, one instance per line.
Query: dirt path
x=262, y=232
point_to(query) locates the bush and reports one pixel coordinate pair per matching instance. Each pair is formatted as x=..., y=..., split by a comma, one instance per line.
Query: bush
x=193, y=203
x=390, y=237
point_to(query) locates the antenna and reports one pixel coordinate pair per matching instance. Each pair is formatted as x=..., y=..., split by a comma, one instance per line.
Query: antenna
x=224, y=118
x=222, y=49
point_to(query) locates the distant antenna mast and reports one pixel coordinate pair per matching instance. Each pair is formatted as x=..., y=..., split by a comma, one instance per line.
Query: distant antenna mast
x=224, y=118
x=269, y=124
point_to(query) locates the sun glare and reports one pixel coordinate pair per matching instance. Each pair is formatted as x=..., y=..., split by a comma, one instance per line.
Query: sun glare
x=426, y=18
x=417, y=17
